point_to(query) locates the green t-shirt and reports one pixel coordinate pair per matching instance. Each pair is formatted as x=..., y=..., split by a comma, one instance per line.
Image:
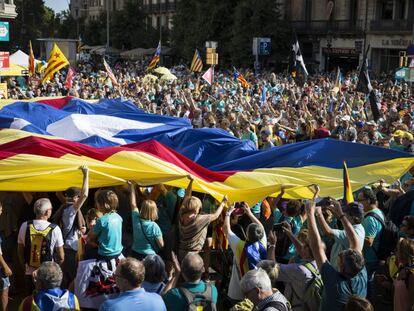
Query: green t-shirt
x=175, y=301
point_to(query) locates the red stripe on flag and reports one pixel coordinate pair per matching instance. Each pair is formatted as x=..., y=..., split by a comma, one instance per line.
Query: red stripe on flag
x=56, y=148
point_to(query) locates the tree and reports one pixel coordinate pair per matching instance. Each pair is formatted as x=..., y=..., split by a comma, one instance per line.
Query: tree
x=260, y=18
x=232, y=23
x=129, y=30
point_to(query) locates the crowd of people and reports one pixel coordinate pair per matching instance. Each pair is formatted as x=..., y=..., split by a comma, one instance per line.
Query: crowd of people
x=155, y=248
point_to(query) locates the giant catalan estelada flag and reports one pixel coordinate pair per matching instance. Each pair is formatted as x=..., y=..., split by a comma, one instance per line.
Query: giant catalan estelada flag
x=120, y=142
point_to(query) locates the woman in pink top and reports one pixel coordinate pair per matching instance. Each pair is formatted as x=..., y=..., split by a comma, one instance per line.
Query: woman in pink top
x=404, y=283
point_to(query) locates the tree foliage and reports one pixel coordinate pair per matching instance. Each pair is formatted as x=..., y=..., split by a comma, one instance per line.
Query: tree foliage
x=233, y=24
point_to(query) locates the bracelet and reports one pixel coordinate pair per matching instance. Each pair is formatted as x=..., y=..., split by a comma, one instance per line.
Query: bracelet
x=227, y=214
x=271, y=245
x=340, y=217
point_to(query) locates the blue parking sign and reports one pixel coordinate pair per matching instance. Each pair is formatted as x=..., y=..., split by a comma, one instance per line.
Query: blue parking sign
x=4, y=31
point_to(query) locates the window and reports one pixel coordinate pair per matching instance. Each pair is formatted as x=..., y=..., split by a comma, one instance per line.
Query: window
x=402, y=9
x=353, y=9
x=387, y=8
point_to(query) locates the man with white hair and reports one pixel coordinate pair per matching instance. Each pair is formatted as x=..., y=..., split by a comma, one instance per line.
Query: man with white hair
x=39, y=241
x=257, y=287
x=48, y=294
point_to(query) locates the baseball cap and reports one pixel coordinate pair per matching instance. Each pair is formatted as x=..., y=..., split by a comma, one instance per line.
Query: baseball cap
x=72, y=192
x=181, y=192
x=398, y=133
x=371, y=123
x=354, y=209
x=408, y=136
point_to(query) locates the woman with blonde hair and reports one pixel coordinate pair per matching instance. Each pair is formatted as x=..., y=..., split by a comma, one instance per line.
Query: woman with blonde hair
x=404, y=282
x=192, y=225
x=147, y=235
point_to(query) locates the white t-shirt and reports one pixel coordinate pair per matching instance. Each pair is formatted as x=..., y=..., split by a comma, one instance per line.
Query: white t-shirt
x=235, y=291
x=56, y=240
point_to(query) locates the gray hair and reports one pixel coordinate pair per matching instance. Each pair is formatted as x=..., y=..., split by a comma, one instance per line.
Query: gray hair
x=49, y=275
x=255, y=279
x=41, y=206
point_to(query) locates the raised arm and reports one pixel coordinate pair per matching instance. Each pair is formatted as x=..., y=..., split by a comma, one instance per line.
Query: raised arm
x=326, y=229
x=349, y=230
x=278, y=198
x=132, y=195
x=188, y=191
x=219, y=210
x=249, y=214
x=298, y=244
x=227, y=226
x=315, y=241
x=85, y=188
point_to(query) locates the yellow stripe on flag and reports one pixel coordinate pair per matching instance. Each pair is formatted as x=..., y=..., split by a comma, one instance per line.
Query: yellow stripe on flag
x=57, y=60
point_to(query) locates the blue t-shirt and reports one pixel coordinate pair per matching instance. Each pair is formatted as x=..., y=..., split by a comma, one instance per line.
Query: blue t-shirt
x=176, y=302
x=342, y=243
x=250, y=136
x=108, y=228
x=137, y=299
x=373, y=229
x=153, y=232
x=337, y=288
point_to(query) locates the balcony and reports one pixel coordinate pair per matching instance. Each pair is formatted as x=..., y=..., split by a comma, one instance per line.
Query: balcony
x=7, y=9
x=323, y=26
x=160, y=7
x=391, y=26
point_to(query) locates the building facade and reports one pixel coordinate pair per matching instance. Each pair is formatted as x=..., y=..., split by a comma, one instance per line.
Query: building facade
x=7, y=9
x=335, y=33
x=92, y=9
x=160, y=13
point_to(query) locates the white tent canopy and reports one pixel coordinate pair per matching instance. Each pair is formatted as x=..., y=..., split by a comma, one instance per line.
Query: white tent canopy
x=20, y=58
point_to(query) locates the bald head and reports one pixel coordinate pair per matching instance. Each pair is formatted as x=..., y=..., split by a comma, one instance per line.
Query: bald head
x=192, y=267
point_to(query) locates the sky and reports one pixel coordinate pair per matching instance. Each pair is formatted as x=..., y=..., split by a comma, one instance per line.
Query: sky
x=57, y=5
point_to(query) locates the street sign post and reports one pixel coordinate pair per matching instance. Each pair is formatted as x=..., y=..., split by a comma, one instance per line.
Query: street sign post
x=4, y=31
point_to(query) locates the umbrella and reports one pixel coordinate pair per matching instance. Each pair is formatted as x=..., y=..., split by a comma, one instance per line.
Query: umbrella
x=169, y=77
x=162, y=71
x=149, y=78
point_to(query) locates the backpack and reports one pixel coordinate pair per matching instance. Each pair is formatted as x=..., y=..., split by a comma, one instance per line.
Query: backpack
x=313, y=291
x=37, y=245
x=388, y=237
x=199, y=301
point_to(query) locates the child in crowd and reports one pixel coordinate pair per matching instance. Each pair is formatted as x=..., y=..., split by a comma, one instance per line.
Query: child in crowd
x=107, y=232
